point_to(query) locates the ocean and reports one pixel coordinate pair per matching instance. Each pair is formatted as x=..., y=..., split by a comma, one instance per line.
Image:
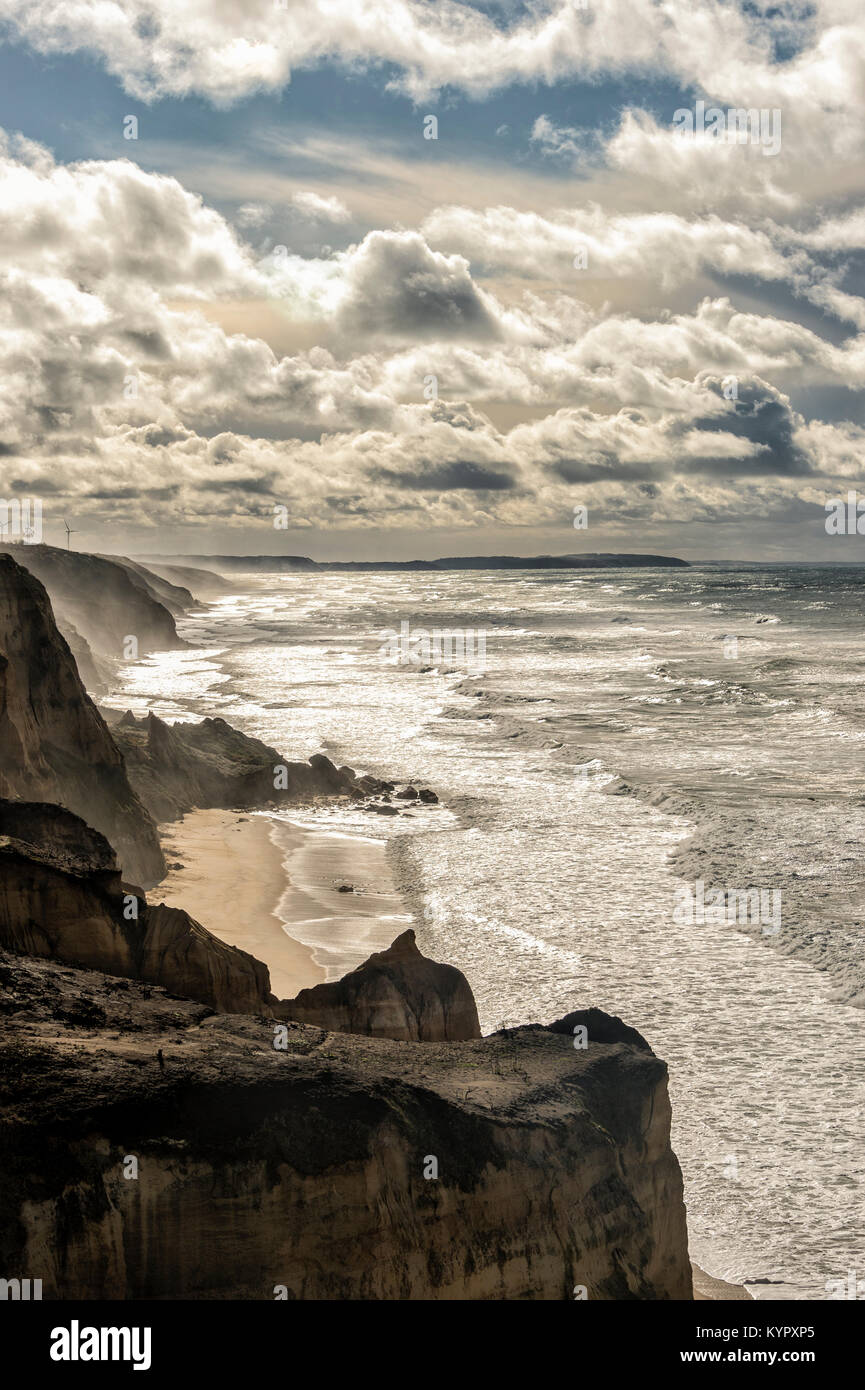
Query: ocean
x=613, y=749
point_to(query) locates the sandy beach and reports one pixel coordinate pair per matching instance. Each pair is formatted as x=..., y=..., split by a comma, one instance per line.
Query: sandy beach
x=339, y=897
x=312, y=904
x=231, y=881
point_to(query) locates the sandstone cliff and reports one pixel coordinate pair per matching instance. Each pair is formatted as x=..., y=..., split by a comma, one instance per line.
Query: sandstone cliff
x=62, y=897
x=258, y=1170
x=397, y=993
x=175, y=597
x=54, y=744
x=174, y=767
x=106, y=601
x=205, y=584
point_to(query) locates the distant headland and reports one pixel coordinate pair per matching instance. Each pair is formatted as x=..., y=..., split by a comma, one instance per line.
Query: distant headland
x=270, y=563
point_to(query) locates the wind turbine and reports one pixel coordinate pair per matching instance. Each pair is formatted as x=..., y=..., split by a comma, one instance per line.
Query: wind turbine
x=69, y=532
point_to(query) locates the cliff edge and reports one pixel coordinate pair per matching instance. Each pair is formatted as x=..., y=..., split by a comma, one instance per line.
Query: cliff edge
x=54, y=744
x=154, y=1150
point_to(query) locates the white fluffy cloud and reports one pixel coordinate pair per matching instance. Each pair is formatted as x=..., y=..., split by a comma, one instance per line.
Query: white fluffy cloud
x=225, y=49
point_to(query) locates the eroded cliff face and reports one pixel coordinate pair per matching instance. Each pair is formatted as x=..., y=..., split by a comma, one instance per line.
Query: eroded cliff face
x=106, y=601
x=54, y=744
x=261, y=1170
x=62, y=897
x=174, y=767
x=397, y=993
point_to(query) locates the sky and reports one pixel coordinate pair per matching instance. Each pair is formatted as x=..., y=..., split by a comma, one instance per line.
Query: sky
x=380, y=279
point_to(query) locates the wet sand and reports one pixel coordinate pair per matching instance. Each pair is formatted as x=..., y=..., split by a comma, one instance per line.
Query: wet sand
x=341, y=928
x=231, y=882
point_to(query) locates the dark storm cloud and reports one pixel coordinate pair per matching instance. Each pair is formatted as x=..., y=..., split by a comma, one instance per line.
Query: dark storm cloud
x=598, y=466
x=260, y=485
x=450, y=477
x=762, y=416
x=397, y=286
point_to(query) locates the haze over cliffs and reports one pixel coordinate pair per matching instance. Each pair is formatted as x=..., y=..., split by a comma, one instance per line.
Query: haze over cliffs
x=106, y=600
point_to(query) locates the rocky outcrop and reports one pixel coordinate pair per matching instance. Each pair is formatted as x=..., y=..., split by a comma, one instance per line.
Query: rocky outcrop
x=62, y=897
x=105, y=601
x=509, y=1167
x=174, y=767
x=54, y=744
x=397, y=993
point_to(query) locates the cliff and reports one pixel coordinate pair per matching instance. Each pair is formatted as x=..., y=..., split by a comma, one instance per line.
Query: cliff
x=175, y=597
x=152, y=1150
x=174, y=767
x=62, y=897
x=106, y=601
x=205, y=584
x=54, y=744
x=397, y=993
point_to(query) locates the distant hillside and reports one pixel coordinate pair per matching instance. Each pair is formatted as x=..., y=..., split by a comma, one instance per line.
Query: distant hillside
x=511, y=562
x=235, y=562
x=280, y=563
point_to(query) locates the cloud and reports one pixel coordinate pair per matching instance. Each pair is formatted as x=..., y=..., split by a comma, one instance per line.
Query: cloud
x=763, y=420
x=227, y=49
x=313, y=205
x=556, y=140
x=663, y=247
x=252, y=214
x=96, y=220
x=395, y=285
x=117, y=378
x=461, y=474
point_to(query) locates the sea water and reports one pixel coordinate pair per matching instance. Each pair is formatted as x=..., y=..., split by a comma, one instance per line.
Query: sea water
x=619, y=737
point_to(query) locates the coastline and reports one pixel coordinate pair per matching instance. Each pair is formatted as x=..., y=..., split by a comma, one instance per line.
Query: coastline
x=272, y=888
x=708, y=1289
